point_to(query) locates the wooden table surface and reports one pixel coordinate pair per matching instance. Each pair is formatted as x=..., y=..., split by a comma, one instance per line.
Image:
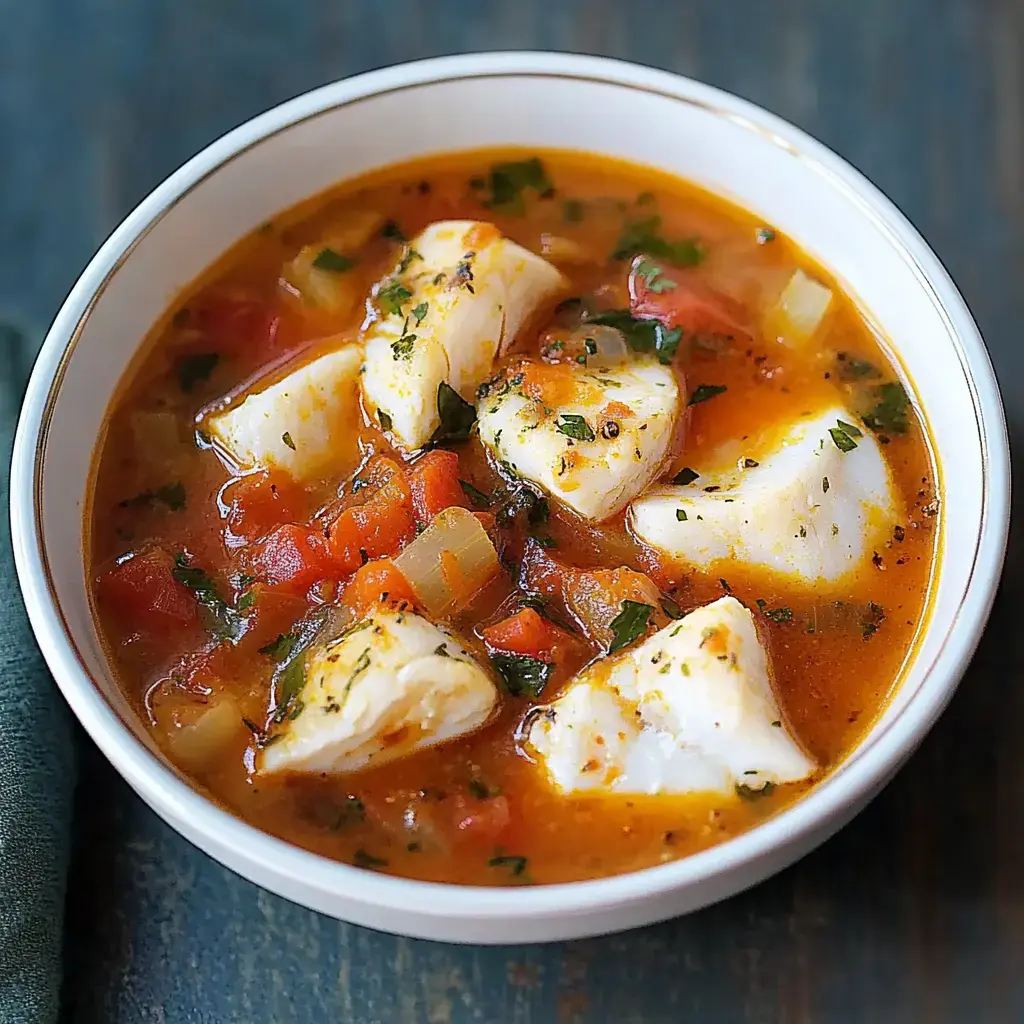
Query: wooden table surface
x=916, y=911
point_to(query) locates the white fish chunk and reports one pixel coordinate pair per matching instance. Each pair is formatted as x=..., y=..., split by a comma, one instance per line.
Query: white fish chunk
x=689, y=710
x=807, y=510
x=592, y=436
x=443, y=315
x=393, y=684
x=305, y=423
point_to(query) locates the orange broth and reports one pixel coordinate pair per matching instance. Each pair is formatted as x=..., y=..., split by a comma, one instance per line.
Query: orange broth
x=477, y=804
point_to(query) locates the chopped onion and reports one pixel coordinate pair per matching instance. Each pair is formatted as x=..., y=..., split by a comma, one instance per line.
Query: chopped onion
x=198, y=743
x=330, y=290
x=799, y=310
x=449, y=562
x=607, y=344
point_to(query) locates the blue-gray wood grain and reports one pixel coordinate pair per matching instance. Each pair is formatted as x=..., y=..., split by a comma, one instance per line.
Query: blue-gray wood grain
x=916, y=911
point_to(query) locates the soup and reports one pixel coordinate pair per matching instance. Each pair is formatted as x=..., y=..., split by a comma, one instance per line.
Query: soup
x=510, y=518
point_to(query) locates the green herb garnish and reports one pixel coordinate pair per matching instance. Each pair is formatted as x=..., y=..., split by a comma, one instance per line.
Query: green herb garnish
x=287, y=439
x=889, y=414
x=419, y=312
x=642, y=334
x=509, y=180
x=456, y=414
x=362, y=859
x=221, y=618
x=681, y=515
x=781, y=614
x=629, y=625
x=392, y=231
x=702, y=392
x=288, y=650
x=576, y=427
x=685, y=476
x=671, y=608
x=391, y=297
x=643, y=237
x=842, y=440
x=475, y=497
x=764, y=236
x=655, y=277
x=522, y=675
x=333, y=262
x=516, y=864
x=480, y=789
x=196, y=368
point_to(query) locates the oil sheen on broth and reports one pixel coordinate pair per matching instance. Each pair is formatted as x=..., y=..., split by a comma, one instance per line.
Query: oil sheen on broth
x=510, y=518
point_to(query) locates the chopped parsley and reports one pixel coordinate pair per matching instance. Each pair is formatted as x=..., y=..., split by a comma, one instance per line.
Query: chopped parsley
x=384, y=419
x=392, y=231
x=220, y=617
x=419, y=312
x=576, y=427
x=824, y=485
x=685, y=476
x=402, y=349
x=515, y=863
x=642, y=334
x=509, y=180
x=288, y=650
x=362, y=859
x=629, y=625
x=172, y=496
x=780, y=614
x=522, y=675
x=196, y=368
x=476, y=497
x=391, y=297
x=655, y=277
x=456, y=414
x=889, y=413
x=681, y=515
x=287, y=439
x=764, y=236
x=852, y=368
x=333, y=262
x=841, y=439
x=643, y=237
x=702, y=392
x=671, y=608
x=872, y=619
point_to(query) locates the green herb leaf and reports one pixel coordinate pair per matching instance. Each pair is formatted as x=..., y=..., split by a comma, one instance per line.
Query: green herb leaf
x=476, y=498
x=576, y=427
x=643, y=237
x=289, y=651
x=402, y=349
x=333, y=262
x=655, y=277
x=642, y=334
x=522, y=675
x=170, y=495
x=849, y=428
x=509, y=180
x=384, y=419
x=781, y=614
x=629, y=625
x=456, y=414
x=287, y=439
x=419, y=312
x=221, y=618
x=685, y=476
x=889, y=414
x=546, y=542
x=764, y=236
x=362, y=859
x=479, y=789
x=852, y=368
x=842, y=439
x=196, y=368
x=391, y=297
x=516, y=864
x=702, y=392
x=671, y=608
x=681, y=515
x=872, y=619
x=392, y=231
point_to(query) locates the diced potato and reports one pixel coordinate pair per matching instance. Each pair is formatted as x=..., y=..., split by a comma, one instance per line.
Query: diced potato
x=796, y=316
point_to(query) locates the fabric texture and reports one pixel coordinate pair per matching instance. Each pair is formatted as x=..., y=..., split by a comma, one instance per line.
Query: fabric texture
x=36, y=769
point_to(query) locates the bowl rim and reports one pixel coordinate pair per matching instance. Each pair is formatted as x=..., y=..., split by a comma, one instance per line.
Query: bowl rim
x=878, y=755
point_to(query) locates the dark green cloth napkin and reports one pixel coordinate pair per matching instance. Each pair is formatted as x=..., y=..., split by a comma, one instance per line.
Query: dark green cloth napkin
x=36, y=768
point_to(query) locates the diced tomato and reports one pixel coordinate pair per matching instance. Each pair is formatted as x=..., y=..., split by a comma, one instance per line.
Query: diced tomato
x=141, y=590
x=527, y=632
x=382, y=525
x=480, y=820
x=690, y=305
x=379, y=582
x=257, y=503
x=293, y=558
x=434, y=483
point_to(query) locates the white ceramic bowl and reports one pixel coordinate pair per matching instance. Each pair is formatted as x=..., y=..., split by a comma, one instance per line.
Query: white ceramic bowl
x=534, y=99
